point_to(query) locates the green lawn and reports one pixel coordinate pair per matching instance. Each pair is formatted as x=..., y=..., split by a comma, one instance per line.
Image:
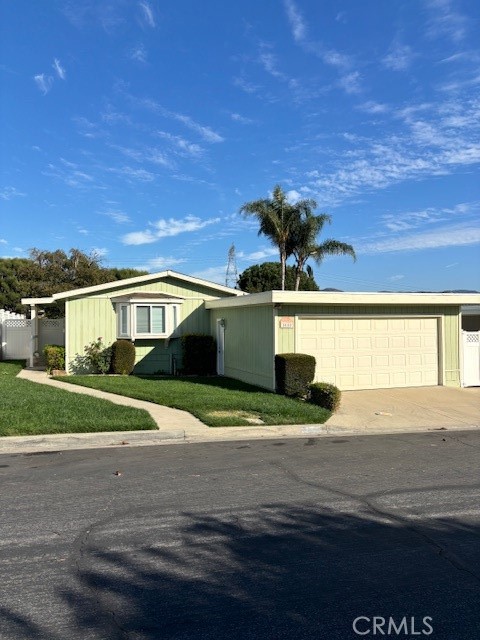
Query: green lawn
x=29, y=408
x=217, y=402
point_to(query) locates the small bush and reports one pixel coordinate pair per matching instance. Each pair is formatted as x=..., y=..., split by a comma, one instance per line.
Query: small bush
x=199, y=354
x=123, y=357
x=98, y=356
x=293, y=373
x=54, y=356
x=325, y=395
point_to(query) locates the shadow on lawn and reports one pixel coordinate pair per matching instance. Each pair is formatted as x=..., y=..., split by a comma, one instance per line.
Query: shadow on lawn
x=276, y=571
x=220, y=382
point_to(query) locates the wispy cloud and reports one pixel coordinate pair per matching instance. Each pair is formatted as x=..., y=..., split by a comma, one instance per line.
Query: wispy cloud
x=161, y=263
x=205, y=132
x=117, y=216
x=262, y=254
x=245, y=85
x=447, y=236
x=43, y=82
x=425, y=140
x=69, y=173
x=181, y=146
x=148, y=154
x=236, y=117
x=103, y=13
x=373, y=107
x=60, y=71
x=268, y=61
x=3, y=241
x=399, y=58
x=212, y=274
x=7, y=193
x=397, y=277
x=299, y=29
x=139, y=54
x=446, y=20
x=297, y=23
x=166, y=228
x=138, y=175
x=148, y=17
x=351, y=82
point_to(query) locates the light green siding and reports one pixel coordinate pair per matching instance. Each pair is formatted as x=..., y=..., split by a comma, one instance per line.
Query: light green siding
x=249, y=343
x=449, y=337
x=93, y=316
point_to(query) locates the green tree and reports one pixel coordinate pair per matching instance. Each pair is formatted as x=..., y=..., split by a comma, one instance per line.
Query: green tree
x=268, y=276
x=47, y=272
x=303, y=240
x=276, y=217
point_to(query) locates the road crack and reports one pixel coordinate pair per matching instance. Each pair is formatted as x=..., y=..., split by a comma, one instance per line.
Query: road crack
x=365, y=501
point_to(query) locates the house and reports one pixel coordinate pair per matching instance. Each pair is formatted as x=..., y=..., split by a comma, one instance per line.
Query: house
x=153, y=310
x=360, y=340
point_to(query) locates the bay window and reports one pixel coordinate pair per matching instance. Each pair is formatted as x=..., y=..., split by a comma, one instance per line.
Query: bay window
x=146, y=318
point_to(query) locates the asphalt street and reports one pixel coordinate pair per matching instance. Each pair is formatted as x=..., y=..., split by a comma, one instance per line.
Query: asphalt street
x=304, y=538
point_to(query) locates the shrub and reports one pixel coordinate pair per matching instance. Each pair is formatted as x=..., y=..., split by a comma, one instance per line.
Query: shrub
x=123, y=357
x=293, y=373
x=98, y=356
x=326, y=395
x=54, y=356
x=199, y=354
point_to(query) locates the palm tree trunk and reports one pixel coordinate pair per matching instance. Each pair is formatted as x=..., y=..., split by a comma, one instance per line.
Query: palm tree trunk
x=283, y=263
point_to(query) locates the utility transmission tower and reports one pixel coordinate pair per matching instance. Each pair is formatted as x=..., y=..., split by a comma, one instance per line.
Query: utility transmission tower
x=231, y=275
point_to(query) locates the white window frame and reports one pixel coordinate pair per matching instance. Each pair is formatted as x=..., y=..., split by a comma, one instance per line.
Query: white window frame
x=172, y=319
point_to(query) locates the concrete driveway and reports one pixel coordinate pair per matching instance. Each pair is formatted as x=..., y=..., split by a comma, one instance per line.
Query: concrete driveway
x=405, y=409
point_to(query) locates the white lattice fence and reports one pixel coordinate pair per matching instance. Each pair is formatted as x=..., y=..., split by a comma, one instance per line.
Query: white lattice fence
x=50, y=331
x=471, y=358
x=16, y=334
x=16, y=337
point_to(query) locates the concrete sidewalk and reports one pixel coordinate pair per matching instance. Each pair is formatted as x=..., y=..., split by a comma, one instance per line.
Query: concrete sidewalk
x=371, y=412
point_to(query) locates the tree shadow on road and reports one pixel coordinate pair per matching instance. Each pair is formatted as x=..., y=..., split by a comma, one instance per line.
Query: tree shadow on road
x=279, y=571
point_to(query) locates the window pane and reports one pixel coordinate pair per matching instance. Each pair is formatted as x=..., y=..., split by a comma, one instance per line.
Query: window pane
x=158, y=319
x=124, y=320
x=143, y=319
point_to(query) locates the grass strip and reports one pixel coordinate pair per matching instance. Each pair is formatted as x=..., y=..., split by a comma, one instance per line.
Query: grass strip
x=29, y=408
x=216, y=401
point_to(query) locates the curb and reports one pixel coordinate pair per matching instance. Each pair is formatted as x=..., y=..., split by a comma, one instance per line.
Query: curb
x=116, y=439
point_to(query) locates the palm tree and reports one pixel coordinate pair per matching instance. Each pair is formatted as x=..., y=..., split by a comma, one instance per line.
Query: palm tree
x=303, y=240
x=276, y=217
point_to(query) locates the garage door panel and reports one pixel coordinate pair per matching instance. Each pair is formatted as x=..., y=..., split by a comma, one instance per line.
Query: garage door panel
x=368, y=353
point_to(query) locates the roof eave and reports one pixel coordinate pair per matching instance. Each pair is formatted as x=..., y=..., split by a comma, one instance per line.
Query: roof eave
x=128, y=282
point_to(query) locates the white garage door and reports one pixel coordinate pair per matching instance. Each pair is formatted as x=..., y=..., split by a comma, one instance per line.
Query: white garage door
x=371, y=353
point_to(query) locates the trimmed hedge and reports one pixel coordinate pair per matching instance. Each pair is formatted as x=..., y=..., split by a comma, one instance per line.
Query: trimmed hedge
x=123, y=357
x=293, y=373
x=325, y=395
x=54, y=357
x=199, y=354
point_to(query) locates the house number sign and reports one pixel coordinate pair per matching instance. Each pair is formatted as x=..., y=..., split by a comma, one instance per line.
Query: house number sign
x=287, y=323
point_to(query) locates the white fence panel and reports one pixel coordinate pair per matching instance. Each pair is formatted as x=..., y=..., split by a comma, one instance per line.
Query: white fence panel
x=471, y=358
x=50, y=331
x=16, y=336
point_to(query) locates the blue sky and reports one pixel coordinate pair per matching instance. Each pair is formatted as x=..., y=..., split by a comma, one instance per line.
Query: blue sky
x=138, y=129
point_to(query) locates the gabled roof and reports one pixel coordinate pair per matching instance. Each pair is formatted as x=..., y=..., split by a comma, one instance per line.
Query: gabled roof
x=128, y=282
